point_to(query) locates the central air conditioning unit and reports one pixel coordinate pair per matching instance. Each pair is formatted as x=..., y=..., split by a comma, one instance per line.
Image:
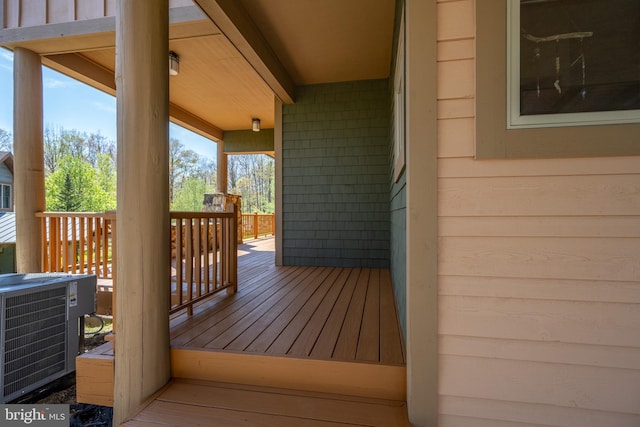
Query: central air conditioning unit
x=40, y=332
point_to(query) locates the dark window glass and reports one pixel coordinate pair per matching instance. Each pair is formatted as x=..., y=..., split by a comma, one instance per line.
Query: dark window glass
x=579, y=56
x=6, y=197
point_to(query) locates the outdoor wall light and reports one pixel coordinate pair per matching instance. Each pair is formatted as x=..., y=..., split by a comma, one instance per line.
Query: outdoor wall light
x=255, y=125
x=174, y=63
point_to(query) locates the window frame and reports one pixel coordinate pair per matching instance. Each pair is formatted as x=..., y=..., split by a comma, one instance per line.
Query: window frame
x=2, y=189
x=494, y=139
x=516, y=120
x=399, y=107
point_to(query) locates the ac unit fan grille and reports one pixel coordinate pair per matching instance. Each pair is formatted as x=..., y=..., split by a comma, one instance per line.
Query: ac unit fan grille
x=35, y=338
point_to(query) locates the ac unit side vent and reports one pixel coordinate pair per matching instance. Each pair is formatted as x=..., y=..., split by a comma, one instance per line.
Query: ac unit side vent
x=35, y=338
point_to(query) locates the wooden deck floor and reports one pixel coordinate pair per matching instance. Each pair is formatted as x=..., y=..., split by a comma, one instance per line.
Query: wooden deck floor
x=321, y=313
x=295, y=346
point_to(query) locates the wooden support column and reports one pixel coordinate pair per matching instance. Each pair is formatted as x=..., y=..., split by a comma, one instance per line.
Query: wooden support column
x=142, y=358
x=221, y=181
x=28, y=178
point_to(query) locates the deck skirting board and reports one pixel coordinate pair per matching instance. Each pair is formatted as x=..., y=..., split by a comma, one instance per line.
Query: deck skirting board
x=348, y=378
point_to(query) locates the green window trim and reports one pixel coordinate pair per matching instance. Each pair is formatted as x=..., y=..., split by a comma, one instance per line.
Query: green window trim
x=494, y=140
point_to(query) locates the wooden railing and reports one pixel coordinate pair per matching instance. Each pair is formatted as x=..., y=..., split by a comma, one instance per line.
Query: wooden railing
x=258, y=225
x=78, y=242
x=205, y=259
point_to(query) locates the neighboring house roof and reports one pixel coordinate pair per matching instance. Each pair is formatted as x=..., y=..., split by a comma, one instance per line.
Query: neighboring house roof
x=6, y=157
x=7, y=227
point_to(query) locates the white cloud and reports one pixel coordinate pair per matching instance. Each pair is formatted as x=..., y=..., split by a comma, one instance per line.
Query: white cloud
x=101, y=106
x=6, y=55
x=6, y=60
x=52, y=83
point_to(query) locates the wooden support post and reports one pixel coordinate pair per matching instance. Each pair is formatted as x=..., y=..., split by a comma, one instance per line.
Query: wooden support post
x=256, y=224
x=273, y=224
x=221, y=181
x=142, y=358
x=28, y=149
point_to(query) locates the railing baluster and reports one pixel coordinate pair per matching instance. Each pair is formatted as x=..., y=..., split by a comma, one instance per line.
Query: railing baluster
x=74, y=245
x=55, y=240
x=83, y=242
x=179, y=252
x=197, y=248
x=189, y=261
x=90, y=238
x=206, y=263
x=216, y=257
x=105, y=247
x=97, y=252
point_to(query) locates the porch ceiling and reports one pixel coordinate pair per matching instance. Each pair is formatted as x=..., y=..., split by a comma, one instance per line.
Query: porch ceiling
x=222, y=82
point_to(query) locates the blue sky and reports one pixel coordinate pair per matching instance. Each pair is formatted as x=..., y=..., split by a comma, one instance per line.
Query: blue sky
x=69, y=104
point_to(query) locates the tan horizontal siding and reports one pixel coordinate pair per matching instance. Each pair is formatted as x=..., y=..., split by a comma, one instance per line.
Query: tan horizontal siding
x=600, y=356
x=540, y=195
x=599, y=389
x=554, y=258
x=539, y=271
x=511, y=413
x=542, y=289
x=612, y=324
x=541, y=226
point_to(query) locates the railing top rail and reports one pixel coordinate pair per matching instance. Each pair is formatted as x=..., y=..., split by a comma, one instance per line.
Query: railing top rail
x=186, y=215
x=72, y=214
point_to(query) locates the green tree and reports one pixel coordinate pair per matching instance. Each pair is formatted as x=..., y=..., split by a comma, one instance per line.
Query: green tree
x=73, y=187
x=68, y=198
x=191, y=194
x=252, y=177
x=60, y=143
x=106, y=180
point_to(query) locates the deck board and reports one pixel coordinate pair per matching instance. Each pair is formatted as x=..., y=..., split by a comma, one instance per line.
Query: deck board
x=235, y=405
x=308, y=338
x=369, y=340
x=348, y=338
x=329, y=313
x=283, y=343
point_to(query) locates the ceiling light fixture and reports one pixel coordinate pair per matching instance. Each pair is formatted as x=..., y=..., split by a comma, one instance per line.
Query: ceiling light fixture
x=255, y=125
x=174, y=63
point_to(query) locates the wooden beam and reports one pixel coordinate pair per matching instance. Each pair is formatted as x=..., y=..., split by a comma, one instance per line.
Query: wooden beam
x=28, y=146
x=77, y=66
x=61, y=31
x=142, y=356
x=237, y=26
x=194, y=123
x=87, y=34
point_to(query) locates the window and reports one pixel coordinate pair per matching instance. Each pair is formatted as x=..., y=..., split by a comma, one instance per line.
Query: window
x=5, y=196
x=399, y=106
x=498, y=137
x=573, y=62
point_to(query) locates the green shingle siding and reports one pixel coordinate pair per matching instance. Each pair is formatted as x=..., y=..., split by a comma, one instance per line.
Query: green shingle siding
x=335, y=175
